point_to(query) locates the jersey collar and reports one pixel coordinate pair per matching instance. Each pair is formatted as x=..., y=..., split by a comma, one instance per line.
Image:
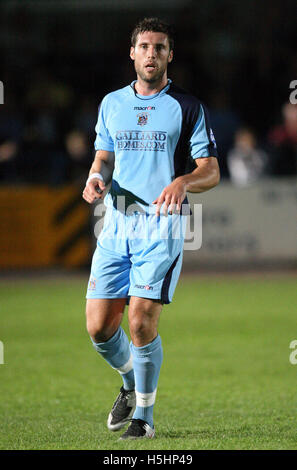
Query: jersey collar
x=148, y=97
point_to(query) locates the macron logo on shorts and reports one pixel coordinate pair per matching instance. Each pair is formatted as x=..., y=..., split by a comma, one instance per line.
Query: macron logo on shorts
x=147, y=287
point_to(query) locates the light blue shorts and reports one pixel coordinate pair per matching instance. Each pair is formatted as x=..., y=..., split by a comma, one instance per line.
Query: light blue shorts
x=137, y=255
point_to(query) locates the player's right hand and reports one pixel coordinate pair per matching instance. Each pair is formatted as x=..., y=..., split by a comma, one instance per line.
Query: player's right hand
x=93, y=190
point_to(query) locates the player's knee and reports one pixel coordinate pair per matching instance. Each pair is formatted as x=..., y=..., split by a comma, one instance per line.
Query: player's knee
x=101, y=326
x=141, y=328
x=137, y=328
x=97, y=330
x=143, y=322
x=98, y=333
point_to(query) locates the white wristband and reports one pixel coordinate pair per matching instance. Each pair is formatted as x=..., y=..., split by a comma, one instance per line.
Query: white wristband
x=95, y=175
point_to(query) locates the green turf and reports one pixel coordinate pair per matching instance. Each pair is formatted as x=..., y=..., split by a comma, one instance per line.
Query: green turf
x=226, y=381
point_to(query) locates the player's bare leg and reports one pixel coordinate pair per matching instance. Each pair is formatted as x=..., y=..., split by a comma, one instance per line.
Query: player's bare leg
x=147, y=355
x=143, y=317
x=104, y=318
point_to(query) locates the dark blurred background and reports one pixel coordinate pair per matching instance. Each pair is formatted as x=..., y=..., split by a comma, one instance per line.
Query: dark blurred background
x=59, y=58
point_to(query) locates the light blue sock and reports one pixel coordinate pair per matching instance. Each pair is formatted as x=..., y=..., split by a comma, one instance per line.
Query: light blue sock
x=147, y=362
x=117, y=353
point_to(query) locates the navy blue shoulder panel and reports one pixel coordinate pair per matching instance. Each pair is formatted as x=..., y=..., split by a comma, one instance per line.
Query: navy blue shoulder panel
x=191, y=108
x=190, y=111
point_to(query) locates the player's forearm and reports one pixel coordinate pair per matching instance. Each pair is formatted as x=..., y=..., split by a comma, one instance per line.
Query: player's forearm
x=104, y=164
x=203, y=178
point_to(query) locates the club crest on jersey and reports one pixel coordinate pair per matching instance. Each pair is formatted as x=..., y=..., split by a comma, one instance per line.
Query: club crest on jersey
x=92, y=284
x=142, y=119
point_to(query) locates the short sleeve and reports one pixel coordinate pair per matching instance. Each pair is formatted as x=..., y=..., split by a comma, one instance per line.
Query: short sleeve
x=103, y=139
x=202, y=141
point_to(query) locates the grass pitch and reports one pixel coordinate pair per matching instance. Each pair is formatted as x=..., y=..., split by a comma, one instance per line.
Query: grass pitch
x=226, y=381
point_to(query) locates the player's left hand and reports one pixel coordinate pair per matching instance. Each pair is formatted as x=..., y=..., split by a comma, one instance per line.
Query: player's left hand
x=172, y=197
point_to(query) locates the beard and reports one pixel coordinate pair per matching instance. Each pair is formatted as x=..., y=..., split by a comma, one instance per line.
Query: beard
x=150, y=78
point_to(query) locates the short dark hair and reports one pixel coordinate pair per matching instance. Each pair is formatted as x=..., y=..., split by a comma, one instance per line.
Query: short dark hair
x=154, y=25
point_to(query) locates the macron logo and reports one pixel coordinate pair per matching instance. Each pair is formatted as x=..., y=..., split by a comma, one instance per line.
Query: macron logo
x=143, y=287
x=144, y=108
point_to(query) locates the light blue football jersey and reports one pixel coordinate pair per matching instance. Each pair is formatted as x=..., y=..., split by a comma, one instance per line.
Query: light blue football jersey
x=152, y=138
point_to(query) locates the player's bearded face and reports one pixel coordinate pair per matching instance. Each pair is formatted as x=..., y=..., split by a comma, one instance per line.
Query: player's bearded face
x=151, y=56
